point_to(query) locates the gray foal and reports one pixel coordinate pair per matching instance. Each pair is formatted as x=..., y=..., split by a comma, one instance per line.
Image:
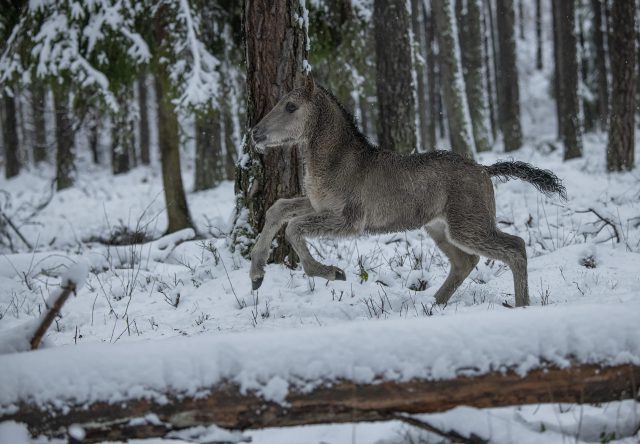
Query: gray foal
x=353, y=187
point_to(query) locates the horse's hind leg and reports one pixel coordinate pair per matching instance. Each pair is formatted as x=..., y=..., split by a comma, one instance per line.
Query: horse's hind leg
x=324, y=223
x=486, y=240
x=462, y=263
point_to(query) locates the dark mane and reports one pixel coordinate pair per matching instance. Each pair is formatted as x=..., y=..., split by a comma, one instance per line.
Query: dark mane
x=352, y=123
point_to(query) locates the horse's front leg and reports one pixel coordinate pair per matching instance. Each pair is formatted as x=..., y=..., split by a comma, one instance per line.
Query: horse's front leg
x=277, y=215
x=324, y=223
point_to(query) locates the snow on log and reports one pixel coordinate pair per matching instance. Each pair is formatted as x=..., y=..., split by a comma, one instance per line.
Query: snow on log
x=360, y=371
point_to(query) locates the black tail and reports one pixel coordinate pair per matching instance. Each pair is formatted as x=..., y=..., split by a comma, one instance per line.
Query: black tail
x=544, y=180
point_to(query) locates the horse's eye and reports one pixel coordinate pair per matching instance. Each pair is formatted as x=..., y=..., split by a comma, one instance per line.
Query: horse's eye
x=290, y=107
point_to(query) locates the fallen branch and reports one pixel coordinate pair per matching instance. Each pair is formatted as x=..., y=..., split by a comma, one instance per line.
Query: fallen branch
x=16, y=230
x=226, y=406
x=605, y=222
x=52, y=313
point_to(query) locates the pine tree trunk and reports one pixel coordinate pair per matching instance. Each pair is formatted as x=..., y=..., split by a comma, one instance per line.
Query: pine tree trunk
x=539, y=62
x=521, y=19
x=496, y=56
x=600, y=65
x=209, y=163
x=396, y=108
x=453, y=84
x=122, y=135
x=39, y=106
x=470, y=32
x=488, y=55
x=169, y=142
x=230, y=148
x=418, y=36
x=65, y=154
x=275, y=56
x=168, y=134
x=568, y=79
x=557, y=70
x=10, y=138
x=143, y=105
x=509, y=96
x=622, y=51
x=432, y=101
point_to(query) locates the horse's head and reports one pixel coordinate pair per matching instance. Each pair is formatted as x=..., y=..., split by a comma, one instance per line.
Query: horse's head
x=288, y=121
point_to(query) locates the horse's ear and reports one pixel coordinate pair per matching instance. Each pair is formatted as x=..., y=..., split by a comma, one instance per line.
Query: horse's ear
x=309, y=84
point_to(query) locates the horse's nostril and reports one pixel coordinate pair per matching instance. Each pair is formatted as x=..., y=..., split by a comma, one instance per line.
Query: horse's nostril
x=257, y=134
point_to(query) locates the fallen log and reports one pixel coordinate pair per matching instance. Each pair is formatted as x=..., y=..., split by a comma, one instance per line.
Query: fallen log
x=343, y=401
x=367, y=371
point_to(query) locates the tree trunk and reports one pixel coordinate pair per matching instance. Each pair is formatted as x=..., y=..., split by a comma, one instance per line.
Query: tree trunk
x=470, y=31
x=496, y=56
x=418, y=36
x=539, y=62
x=209, y=163
x=169, y=141
x=122, y=135
x=429, y=22
x=65, y=154
x=143, y=105
x=10, y=138
x=622, y=51
x=557, y=54
x=230, y=146
x=275, y=56
x=600, y=66
x=568, y=78
x=39, y=107
x=453, y=84
x=509, y=97
x=488, y=56
x=396, y=108
x=521, y=19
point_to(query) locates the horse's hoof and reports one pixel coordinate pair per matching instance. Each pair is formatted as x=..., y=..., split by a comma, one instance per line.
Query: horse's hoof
x=340, y=276
x=256, y=283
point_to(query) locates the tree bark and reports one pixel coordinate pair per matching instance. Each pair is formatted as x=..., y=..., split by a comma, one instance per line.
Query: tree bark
x=567, y=72
x=65, y=154
x=143, y=104
x=276, y=47
x=557, y=87
x=622, y=51
x=418, y=37
x=12, y=163
x=539, y=61
x=39, y=107
x=209, y=162
x=341, y=402
x=396, y=107
x=600, y=65
x=488, y=56
x=470, y=32
x=509, y=95
x=429, y=22
x=453, y=84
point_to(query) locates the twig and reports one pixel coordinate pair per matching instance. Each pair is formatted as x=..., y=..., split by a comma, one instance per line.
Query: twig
x=54, y=310
x=605, y=221
x=451, y=435
x=11, y=224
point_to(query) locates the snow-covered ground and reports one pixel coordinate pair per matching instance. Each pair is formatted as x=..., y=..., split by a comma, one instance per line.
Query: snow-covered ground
x=585, y=251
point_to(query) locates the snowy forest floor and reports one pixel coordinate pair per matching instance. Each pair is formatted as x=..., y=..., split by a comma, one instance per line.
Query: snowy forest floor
x=585, y=250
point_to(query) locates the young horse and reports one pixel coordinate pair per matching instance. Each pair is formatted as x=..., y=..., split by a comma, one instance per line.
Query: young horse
x=354, y=187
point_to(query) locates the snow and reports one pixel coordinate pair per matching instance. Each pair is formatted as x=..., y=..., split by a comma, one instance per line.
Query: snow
x=272, y=362
x=146, y=314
